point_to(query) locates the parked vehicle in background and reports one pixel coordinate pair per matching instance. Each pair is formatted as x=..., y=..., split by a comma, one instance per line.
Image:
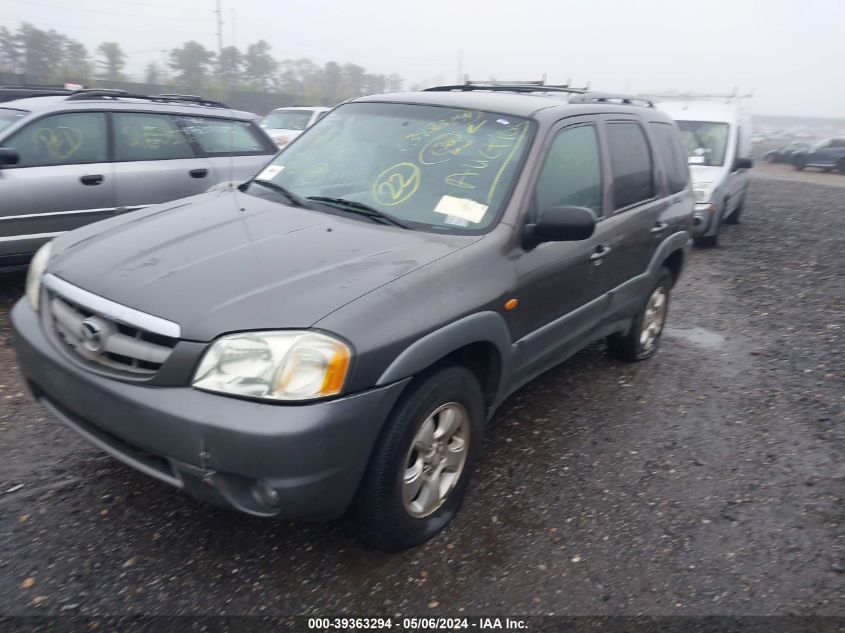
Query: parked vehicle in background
x=717, y=134
x=69, y=160
x=10, y=93
x=285, y=124
x=827, y=155
x=336, y=333
x=784, y=154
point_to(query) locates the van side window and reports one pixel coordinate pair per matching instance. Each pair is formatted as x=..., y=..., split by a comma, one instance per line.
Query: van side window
x=672, y=155
x=62, y=139
x=572, y=172
x=630, y=160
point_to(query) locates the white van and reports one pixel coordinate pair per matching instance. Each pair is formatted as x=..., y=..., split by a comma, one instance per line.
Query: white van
x=285, y=124
x=717, y=134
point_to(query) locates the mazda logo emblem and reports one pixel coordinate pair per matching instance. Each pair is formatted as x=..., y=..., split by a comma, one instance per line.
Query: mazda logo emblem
x=92, y=335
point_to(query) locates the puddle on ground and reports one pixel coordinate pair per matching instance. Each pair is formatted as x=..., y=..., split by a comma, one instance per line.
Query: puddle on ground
x=698, y=336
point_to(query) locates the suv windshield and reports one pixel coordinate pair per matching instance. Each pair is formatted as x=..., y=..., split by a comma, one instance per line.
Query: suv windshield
x=431, y=167
x=287, y=119
x=7, y=117
x=706, y=141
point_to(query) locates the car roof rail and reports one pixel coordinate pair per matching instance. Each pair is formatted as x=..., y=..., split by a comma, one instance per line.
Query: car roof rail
x=109, y=93
x=507, y=86
x=612, y=97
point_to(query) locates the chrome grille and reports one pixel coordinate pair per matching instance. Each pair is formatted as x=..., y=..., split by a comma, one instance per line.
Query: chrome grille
x=104, y=341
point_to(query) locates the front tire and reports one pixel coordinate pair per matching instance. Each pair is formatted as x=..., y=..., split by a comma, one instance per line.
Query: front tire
x=418, y=474
x=643, y=339
x=733, y=218
x=840, y=166
x=799, y=163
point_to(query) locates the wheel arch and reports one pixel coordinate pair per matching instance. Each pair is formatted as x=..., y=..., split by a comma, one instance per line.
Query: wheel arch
x=480, y=342
x=672, y=253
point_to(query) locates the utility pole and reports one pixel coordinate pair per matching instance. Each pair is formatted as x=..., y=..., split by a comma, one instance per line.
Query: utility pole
x=219, y=29
x=234, y=29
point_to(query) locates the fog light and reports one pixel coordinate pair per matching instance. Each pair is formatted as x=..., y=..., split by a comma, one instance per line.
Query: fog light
x=267, y=495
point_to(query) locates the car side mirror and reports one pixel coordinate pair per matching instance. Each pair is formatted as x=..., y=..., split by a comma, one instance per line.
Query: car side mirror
x=8, y=156
x=560, y=224
x=743, y=163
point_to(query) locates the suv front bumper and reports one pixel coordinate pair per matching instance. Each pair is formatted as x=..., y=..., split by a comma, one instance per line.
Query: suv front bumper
x=293, y=461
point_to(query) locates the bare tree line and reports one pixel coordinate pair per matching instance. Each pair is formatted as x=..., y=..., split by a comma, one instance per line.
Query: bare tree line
x=55, y=57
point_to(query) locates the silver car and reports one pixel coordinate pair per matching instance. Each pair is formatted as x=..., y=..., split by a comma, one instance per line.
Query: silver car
x=69, y=160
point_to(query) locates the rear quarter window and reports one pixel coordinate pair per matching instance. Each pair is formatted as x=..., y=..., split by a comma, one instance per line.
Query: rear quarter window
x=672, y=155
x=225, y=136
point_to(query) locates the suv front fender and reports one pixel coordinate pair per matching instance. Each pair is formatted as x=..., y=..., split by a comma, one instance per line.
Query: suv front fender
x=481, y=327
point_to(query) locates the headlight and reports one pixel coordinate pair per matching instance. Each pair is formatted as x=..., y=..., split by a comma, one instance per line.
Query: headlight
x=281, y=141
x=35, y=273
x=276, y=365
x=702, y=192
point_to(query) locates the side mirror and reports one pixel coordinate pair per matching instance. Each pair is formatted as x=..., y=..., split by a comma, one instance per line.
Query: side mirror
x=8, y=156
x=560, y=224
x=743, y=163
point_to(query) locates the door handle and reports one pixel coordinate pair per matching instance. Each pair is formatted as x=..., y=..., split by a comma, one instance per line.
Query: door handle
x=657, y=229
x=93, y=179
x=599, y=255
x=198, y=173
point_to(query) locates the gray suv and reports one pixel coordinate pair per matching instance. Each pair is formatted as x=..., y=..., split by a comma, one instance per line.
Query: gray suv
x=332, y=337
x=68, y=160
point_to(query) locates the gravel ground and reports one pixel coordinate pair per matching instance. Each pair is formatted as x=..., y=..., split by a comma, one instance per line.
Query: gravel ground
x=708, y=480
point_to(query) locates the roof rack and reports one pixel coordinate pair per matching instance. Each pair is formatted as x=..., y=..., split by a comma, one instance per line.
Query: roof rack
x=610, y=97
x=507, y=86
x=692, y=96
x=108, y=93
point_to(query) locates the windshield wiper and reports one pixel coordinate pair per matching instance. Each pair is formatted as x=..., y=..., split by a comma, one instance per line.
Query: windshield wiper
x=361, y=209
x=295, y=200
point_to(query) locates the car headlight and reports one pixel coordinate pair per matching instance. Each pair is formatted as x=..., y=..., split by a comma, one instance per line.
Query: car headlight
x=35, y=273
x=276, y=365
x=702, y=191
x=281, y=141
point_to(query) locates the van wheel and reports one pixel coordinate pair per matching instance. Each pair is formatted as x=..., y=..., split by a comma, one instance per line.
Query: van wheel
x=711, y=241
x=643, y=339
x=733, y=218
x=799, y=163
x=840, y=166
x=418, y=474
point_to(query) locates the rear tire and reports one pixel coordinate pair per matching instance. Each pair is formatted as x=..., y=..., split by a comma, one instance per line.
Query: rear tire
x=840, y=166
x=419, y=471
x=643, y=339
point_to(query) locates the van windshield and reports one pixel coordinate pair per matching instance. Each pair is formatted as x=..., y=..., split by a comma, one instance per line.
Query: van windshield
x=706, y=142
x=7, y=117
x=287, y=119
x=433, y=168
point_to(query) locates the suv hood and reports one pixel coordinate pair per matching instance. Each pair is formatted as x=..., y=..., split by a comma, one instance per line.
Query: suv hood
x=228, y=261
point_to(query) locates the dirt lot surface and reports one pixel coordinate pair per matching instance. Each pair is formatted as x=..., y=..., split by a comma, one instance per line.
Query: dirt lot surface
x=708, y=480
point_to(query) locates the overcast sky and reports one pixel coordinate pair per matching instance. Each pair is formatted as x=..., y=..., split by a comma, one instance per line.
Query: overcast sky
x=788, y=52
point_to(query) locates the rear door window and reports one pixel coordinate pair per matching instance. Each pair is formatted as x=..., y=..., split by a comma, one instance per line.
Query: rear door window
x=672, y=156
x=225, y=136
x=62, y=139
x=143, y=136
x=631, y=163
